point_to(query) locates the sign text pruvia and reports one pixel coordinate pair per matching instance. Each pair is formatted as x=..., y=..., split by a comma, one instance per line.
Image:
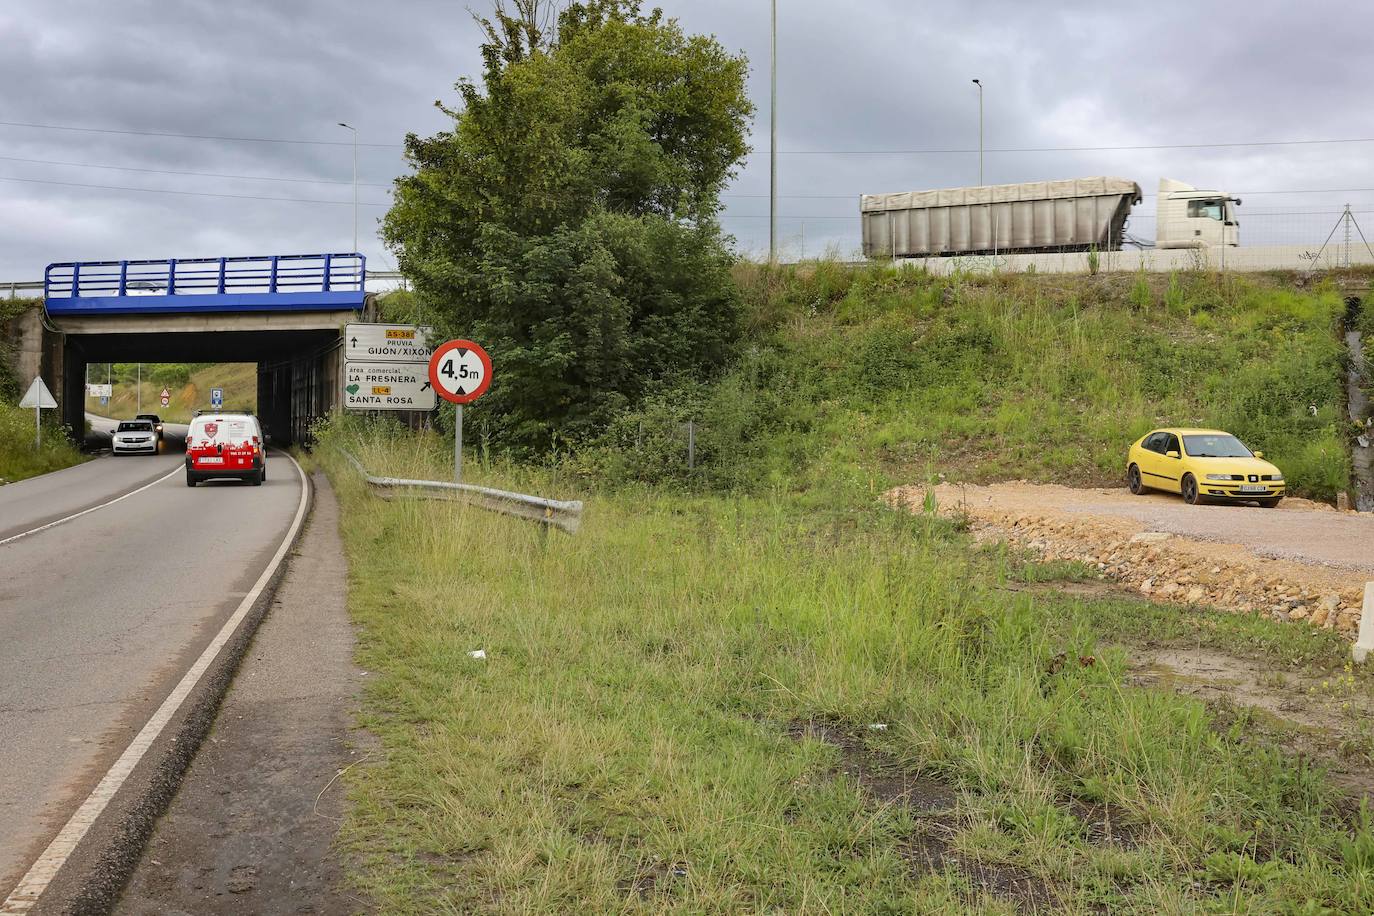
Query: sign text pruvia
x=393, y=343
x=387, y=386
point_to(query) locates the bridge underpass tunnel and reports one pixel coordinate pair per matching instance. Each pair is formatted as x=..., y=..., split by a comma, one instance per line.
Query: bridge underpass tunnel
x=284, y=313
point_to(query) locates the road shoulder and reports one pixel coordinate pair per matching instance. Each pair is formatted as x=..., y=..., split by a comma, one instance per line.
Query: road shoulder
x=252, y=827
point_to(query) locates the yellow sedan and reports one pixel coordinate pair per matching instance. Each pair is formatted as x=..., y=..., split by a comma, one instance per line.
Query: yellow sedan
x=1202, y=464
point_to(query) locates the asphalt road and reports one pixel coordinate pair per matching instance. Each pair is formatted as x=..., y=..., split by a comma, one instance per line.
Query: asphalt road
x=101, y=615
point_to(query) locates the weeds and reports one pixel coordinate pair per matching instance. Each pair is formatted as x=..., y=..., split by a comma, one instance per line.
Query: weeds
x=613, y=752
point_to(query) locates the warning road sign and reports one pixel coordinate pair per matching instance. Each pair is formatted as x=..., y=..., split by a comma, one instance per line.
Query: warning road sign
x=387, y=386
x=386, y=343
x=460, y=371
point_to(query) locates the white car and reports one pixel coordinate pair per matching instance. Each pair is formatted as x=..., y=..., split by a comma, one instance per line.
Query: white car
x=135, y=437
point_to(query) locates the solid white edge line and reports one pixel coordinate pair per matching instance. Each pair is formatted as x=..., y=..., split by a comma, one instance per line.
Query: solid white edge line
x=61, y=521
x=36, y=880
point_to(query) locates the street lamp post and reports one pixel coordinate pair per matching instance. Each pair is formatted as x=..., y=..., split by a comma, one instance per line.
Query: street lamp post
x=773, y=142
x=979, y=84
x=355, y=183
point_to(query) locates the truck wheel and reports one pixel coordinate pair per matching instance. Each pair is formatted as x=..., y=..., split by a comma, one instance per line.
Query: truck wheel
x=256, y=479
x=1133, y=481
x=1191, y=495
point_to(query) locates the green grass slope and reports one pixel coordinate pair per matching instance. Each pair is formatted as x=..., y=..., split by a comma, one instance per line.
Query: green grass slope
x=867, y=375
x=189, y=386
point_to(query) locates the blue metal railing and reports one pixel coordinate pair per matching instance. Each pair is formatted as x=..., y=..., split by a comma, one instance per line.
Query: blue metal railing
x=271, y=275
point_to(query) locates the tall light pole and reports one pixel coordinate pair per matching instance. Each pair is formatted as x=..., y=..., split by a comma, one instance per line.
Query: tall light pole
x=355, y=183
x=773, y=143
x=979, y=84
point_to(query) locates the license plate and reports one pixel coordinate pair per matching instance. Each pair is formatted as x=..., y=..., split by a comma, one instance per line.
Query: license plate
x=1249, y=488
x=210, y=461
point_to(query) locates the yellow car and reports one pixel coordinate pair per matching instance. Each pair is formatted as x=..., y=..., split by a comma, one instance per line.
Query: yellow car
x=1202, y=464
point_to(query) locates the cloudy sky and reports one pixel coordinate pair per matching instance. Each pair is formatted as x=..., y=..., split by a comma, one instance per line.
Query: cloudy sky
x=873, y=96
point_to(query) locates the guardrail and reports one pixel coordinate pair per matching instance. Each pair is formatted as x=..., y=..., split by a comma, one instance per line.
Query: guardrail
x=551, y=513
x=271, y=274
x=14, y=286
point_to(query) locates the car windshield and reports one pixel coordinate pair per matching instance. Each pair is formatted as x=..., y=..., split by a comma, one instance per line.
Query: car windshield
x=134, y=426
x=1215, y=447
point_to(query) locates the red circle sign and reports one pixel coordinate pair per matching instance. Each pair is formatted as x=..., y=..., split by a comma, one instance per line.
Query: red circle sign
x=460, y=371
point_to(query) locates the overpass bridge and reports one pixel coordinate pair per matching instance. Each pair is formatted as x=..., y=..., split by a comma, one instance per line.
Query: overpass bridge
x=283, y=312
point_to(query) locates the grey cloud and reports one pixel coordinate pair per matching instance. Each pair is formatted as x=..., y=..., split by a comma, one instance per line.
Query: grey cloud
x=881, y=74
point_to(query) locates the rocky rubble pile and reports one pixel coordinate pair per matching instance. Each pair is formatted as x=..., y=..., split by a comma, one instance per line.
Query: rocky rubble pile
x=1165, y=567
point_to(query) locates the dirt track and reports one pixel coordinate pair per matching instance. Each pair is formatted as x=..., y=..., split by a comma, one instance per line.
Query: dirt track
x=1301, y=561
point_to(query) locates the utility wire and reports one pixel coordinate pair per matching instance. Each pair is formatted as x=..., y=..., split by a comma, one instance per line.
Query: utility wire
x=1065, y=149
x=387, y=186
x=130, y=168
x=158, y=133
x=110, y=187
x=867, y=152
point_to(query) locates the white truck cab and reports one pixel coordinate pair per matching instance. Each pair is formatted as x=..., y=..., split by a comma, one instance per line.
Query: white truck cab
x=1193, y=218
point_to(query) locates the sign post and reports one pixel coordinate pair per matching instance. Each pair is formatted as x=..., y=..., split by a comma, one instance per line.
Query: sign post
x=460, y=371
x=216, y=398
x=40, y=399
x=165, y=397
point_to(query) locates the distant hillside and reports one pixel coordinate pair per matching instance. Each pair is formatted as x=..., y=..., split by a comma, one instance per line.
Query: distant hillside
x=239, y=381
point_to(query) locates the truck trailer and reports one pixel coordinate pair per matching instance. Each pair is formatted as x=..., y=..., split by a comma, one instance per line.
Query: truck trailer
x=1077, y=214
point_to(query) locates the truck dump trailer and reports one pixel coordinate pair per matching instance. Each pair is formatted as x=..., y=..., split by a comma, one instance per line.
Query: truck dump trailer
x=1077, y=214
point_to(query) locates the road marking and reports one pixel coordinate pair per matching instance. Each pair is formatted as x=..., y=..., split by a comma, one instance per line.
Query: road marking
x=23, y=534
x=25, y=895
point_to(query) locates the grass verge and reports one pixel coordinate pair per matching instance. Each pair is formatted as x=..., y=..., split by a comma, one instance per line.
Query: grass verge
x=19, y=458
x=655, y=724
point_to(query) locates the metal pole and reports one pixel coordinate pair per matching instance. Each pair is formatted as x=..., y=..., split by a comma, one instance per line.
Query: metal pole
x=691, y=445
x=355, y=183
x=979, y=84
x=37, y=429
x=458, y=444
x=138, y=391
x=773, y=143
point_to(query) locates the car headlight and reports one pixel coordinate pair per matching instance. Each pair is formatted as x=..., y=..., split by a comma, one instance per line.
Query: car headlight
x=1218, y=476
x=1277, y=478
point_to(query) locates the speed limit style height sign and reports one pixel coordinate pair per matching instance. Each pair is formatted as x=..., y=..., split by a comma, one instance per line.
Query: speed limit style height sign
x=460, y=371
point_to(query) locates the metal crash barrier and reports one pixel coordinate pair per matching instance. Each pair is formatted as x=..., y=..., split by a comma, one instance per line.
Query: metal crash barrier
x=551, y=513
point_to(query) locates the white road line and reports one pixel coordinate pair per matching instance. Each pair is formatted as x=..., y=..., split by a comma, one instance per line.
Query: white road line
x=41, y=873
x=61, y=521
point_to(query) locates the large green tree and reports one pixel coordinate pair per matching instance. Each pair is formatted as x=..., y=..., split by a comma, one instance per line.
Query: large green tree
x=567, y=221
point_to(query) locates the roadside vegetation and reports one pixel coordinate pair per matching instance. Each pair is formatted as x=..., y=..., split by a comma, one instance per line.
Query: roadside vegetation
x=747, y=684
x=19, y=458
x=747, y=703
x=880, y=375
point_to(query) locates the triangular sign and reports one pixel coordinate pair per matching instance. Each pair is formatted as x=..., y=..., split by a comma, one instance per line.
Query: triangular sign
x=38, y=395
x=460, y=391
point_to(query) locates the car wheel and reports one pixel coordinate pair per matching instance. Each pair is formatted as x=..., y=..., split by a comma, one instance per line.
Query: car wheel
x=256, y=479
x=1191, y=495
x=1270, y=503
x=190, y=479
x=1133, y=481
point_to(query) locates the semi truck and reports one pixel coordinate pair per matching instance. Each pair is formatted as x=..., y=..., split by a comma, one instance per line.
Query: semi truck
x=1076, y=214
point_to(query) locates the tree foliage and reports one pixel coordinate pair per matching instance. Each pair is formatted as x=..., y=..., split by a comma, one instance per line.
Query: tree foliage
x=567, y=221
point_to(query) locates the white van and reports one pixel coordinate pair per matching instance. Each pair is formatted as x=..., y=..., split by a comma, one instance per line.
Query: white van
x=225, y=445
